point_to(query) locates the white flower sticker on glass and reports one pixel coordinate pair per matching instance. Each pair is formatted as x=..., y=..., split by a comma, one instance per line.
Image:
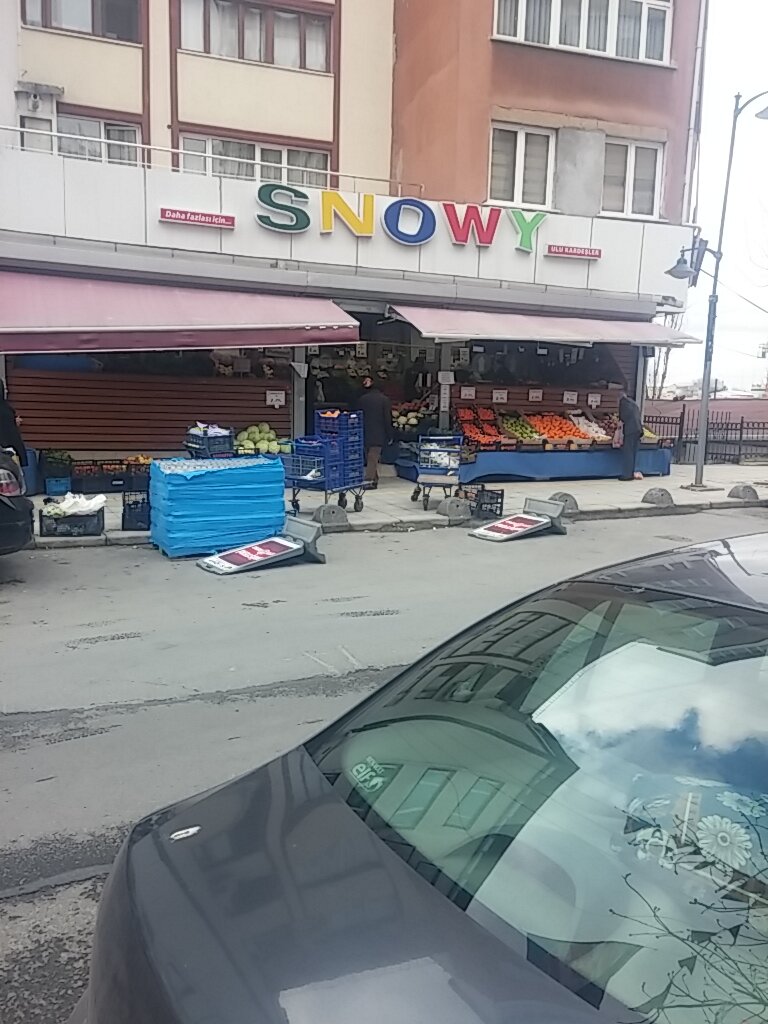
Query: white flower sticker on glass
x=742, y=804
x=653, y=842
x=724, y=840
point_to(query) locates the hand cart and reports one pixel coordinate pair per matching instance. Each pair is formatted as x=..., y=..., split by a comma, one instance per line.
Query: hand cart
x=438, y=466
x=316, y=464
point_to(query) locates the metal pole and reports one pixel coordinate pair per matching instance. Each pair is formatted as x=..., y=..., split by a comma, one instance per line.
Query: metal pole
x=706, y=380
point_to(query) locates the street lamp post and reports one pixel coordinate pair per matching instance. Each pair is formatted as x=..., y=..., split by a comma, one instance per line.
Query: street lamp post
x=683, y=270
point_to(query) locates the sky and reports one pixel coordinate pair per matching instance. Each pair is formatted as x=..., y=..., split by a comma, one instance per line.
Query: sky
x=738, y=33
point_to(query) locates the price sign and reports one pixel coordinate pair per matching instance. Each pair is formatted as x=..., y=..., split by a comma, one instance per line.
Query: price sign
x=468, y=394
x=464, y=358
x=499, y=397
x=275, y=399
x=593, y=401
x=252, y=556
x=445, y=397
x=313, y=350
x=361, y=349
x=446, y=377
x=535, y=395
x=570, y=398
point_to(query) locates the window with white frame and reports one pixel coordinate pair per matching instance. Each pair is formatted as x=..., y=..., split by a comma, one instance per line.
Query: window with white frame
x=633, y=29
x=232, y=158
x=248, y=30
x=522, y=165
x=632, y=178
x=90, y=139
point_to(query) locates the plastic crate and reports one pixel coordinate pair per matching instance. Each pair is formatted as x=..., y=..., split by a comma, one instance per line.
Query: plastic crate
x=56, y=486
x=346, y=426
x=100, y=483
x=483, y=503
x=54, y=467
x=138, y=479
x=91, y=525
x=136, y=510
x=209, y=446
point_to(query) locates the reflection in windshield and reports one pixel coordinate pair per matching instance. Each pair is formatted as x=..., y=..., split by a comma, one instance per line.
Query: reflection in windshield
x=584, y=775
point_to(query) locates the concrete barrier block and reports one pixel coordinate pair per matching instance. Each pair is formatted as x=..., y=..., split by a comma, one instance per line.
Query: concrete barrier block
x=658, y=496
x=456, y=509
x=332, y=518
x=569, y=502
x=744, y=492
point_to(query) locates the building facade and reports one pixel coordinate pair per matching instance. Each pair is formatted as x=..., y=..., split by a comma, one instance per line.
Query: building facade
x=400, y=158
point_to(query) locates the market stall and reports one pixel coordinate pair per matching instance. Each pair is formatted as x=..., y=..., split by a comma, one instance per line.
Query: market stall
x=557, y=425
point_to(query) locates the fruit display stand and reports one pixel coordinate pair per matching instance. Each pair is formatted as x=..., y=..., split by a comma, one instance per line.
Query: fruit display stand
x=543, y=437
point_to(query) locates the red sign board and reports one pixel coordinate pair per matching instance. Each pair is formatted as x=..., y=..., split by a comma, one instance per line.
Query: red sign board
x=256, y=552
x=195, y=217
x=577, y=252
x=514, y=524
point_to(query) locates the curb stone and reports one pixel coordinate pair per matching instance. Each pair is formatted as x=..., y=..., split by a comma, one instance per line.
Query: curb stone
x=428, y=522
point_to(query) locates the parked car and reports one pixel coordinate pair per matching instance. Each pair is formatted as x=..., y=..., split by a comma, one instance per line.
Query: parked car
x=16, y=524
x=559, y=815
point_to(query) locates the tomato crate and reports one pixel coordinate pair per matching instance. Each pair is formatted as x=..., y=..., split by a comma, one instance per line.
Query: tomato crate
x=136, y=510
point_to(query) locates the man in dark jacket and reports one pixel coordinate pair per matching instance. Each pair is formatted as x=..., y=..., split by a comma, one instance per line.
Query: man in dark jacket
x=377, y=427
x=631, y=421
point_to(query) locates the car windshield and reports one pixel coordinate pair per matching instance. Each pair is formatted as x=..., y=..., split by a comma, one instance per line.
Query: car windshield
x=588, y=771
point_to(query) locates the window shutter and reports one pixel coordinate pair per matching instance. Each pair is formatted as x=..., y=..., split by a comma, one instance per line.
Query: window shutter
x=535, y=169
x=507, y=18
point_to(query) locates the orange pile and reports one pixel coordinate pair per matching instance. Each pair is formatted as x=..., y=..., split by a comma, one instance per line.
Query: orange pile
x=556, y=428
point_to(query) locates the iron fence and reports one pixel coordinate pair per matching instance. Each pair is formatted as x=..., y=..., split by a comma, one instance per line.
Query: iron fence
x=728, y=440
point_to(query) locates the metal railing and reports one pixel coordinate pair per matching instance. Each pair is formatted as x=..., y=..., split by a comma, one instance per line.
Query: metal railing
x=729, y=440
x=141, y=156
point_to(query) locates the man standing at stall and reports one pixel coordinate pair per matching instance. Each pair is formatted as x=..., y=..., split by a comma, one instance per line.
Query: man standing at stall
x=377, y=427
x=632, y=427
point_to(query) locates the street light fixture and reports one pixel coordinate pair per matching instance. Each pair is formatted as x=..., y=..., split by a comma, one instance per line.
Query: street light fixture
x=683, y=270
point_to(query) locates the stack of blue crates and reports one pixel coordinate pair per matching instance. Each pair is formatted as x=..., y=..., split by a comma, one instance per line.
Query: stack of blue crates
x=202, y=506
x=342, y=433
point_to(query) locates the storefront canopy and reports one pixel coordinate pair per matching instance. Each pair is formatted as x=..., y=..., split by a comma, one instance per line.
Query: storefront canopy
x=44, y=313
x=457, y=325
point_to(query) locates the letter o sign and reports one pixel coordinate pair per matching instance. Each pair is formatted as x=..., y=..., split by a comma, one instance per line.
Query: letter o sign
x=427, y=223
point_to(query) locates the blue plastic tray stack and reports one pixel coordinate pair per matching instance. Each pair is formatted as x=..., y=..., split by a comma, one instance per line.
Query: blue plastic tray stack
x=201, y=506
x=342, y=434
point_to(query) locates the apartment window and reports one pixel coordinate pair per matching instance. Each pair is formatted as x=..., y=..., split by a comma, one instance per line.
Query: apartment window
x=91, y=139
x=632, y=178
x=30, y=139
x=522, y=161
x=248, y=31
x=634, y=29
x=232, y=158
x=110, y=19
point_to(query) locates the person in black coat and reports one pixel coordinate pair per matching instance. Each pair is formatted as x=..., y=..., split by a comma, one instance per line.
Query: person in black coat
x=377, y=427
x=632, y=422
x=9, y=428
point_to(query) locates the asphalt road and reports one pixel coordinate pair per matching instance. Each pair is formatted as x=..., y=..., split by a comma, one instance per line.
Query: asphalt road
x=128, y=681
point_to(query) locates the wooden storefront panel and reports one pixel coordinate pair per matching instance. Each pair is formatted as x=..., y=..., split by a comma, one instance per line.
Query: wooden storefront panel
x=136, y=413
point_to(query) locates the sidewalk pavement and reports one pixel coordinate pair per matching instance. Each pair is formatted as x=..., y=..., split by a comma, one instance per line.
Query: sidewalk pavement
x=389, y=508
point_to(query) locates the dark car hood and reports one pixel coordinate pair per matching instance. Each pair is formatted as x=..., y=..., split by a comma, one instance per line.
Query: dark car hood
x=282, y=906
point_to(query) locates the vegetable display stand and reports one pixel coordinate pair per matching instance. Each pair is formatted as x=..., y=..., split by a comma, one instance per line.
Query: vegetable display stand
x=90, y=525
x=438, y=466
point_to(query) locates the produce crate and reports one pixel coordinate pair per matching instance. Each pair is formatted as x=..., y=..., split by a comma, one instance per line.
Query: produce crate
x=56, y=486
x=483, y=503
x=344, y=425
x=207, y=446
x=91, y=525
x=99, y=483
x=138, y=479
x=52, y=465
x=136, y=514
